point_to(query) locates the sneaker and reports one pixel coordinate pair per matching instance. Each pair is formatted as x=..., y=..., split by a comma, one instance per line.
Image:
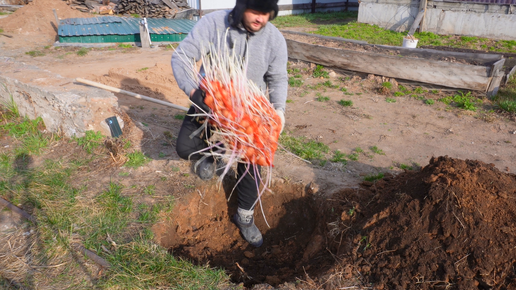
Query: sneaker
x=249, y=231
x=205, y=169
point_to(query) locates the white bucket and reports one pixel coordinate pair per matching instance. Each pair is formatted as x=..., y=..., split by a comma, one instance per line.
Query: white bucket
x=409, y=43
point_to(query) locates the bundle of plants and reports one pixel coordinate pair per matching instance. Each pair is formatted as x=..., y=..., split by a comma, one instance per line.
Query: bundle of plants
x=243, y=122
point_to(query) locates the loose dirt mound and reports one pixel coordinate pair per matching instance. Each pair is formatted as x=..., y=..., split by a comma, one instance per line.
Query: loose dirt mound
x=451, y=225
x=37, y=18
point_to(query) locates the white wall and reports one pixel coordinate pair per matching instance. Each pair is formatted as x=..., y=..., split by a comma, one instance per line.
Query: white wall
x=229, y=4
x=482, y=20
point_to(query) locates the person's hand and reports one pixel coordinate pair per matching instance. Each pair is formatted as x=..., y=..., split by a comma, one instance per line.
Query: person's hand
x=281, y=114
x=197, y=97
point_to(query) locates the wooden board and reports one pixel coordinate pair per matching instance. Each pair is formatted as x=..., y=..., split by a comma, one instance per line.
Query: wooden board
x=480, y=58
x=416, y=22
x=442, y=73
x=496, y=74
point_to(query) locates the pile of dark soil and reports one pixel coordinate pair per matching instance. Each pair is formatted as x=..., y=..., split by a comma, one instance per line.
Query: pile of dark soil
x=451, y=225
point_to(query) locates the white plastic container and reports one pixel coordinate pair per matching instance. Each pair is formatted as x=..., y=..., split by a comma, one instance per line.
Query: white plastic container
x=409, y=43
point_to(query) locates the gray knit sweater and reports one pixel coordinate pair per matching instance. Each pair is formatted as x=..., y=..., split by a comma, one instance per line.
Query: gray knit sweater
x=267, y=54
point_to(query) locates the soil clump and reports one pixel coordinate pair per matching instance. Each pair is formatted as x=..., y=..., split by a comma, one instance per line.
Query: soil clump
x=451, y=225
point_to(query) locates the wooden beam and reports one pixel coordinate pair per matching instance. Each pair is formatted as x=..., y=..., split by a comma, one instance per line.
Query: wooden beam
x=416, y=22
x=442, y=73
x=422, y=6
x=496, y=75
x=497, y=67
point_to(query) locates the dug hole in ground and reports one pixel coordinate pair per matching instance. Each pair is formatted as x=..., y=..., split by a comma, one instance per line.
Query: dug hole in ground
x=448, y=223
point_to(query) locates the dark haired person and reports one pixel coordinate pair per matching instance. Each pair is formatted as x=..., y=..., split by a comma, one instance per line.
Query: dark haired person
x=253, y=37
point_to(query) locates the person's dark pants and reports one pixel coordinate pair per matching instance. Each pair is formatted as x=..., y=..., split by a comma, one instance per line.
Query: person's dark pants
x=247, y=188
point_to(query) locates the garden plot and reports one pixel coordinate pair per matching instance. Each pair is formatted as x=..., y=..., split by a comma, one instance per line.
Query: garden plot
x=473, y=71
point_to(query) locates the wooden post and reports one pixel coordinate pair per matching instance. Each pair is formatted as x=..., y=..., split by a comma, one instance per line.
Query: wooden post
x=314, y=2
x=138, y=96
x=416, y=22
x=57, y=19
x=422, y=7
x=144, y=34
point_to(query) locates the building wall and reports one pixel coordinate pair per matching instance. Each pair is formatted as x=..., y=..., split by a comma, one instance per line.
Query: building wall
x=482, y=20
x=210, y=5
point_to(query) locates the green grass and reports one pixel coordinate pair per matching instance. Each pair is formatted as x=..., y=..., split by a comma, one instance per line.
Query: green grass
x=90, y=141
x=57, y=193
x=179, y=116
x=463, y=101
x=339, y=157
x=35, y=53
x=10, y=107
x=136, y=159
x=83, y=51
x=405, y=167
x=330, y=85
x=307, y=149
x=3, y=13
x=506, y=97
x=346, y=103
x=399, y=94
x=293, y=82
x=126, y=45
x=377, y=150
x=419, y=90
x=321, y=98
x=390, y=100
x=387, y=85
x=374, y=177
x=143, y=68
x=310, y=19
x=319, y=72
x=429, y=102
x=374, y=34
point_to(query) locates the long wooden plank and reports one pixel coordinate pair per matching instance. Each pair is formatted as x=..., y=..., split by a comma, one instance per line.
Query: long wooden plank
x=481, y=58
x=417, y=69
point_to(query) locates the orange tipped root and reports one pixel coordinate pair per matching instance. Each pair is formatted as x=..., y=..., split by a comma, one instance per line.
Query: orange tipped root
x=250, y=123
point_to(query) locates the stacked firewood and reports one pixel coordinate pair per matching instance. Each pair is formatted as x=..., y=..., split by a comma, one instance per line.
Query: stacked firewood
x=151, y=8
x=144, y=8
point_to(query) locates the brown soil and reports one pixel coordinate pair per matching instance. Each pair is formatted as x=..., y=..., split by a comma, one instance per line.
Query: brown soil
x=36, y=20
x=450, y=225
